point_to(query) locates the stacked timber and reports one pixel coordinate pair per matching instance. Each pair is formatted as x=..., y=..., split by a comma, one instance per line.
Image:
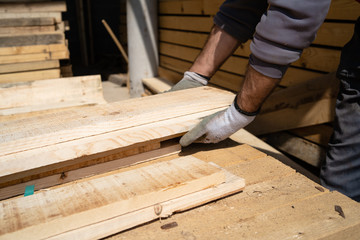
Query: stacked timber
x=306, y=95
x=32, y=40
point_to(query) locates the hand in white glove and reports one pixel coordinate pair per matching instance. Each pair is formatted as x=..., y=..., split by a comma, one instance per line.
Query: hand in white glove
x=190, y=80
x=218, y=126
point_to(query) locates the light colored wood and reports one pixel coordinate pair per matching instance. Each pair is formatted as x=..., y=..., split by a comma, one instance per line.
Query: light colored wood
x=312, y=90
x=29, y=76
x=26, y=30
x=49, y=213
x=85, y=132
x=181, y=7
x=21, y=22
x=302, y=149
x=35, y=39
x=22, y=97
x=59, y=6
x=55, y=15
x=334, y=34
x=29, y=66
x=233, y=184
x=319, y=134
x=32, y=57
x=157, y=85
x=150, y=152
x=244, y=137
x=308, y=114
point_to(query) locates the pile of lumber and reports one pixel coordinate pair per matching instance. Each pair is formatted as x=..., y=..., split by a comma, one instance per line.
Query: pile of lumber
x=84, y=151
x=32, y=40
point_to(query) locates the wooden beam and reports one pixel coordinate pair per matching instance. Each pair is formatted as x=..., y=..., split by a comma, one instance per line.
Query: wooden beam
x=104, y=198
x=59, y=6
x=26, y=30
x=22, y=22
x=39, y=95
x=29, y=66
x=32, y=57
x=55, y=15
x=29, y=76
x=302, y=149
x=36, y=39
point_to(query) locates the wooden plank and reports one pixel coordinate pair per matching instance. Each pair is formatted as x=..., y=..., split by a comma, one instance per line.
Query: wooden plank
x=55, y=15
x=31, y=96
x=157, y=85
x=319, y=134
x=334, y=34
x=21, y=22
x=343, y=10
x=308, y=114
x=127, y=158
x=118, y=125
x=312, y=90
x=199, y=24
x=181, y=7
x=22, y=67
x=26, y=30
x=339, y=9
x=34, y=57
x=29, y=76
x=59, y=6
x=36, y=39
x=103, y=198
x=302, y=149
x=232, y=185
x=170, y=75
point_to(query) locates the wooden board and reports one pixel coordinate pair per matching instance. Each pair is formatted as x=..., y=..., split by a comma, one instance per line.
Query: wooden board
x=29, y=76
x=48, y=213
x=21, y=22
x=233, y=184
x=32, y=49
x=302, y=149
x=85, y=133
x=306, y=104
x=105, y=164
x=29, y=66
x=35, y=39
x=277, y=203
x=55, y=15
x=157, y=85
x=26, y=30
x=32, y=96
x=59, y=6
x=32, y=57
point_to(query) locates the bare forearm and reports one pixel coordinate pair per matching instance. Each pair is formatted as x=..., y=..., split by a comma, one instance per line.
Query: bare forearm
x=256, y=87
x=219, y=46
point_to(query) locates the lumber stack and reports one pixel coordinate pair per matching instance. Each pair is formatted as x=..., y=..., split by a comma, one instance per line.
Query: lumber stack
x=183, y=29
x=85, y=152
x=32, y=40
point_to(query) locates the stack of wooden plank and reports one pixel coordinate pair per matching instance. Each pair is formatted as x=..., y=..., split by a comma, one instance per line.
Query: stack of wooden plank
x=74, y=145
x=32, y=40
x=299, y=102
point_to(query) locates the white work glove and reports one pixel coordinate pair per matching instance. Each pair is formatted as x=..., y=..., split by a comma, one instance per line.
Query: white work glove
x=218, y=126
x=190, y=80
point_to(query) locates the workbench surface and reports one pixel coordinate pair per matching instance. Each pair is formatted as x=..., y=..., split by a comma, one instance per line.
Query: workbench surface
x=277, y=203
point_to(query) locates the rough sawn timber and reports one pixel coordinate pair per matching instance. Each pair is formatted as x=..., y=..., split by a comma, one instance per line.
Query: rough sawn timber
x=49, y=213
x=46, y=142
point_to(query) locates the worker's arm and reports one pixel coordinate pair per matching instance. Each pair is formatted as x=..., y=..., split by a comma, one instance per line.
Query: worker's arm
x=284, y=30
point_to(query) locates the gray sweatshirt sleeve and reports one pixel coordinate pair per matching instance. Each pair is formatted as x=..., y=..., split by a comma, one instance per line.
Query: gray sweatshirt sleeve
x=285, y=29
